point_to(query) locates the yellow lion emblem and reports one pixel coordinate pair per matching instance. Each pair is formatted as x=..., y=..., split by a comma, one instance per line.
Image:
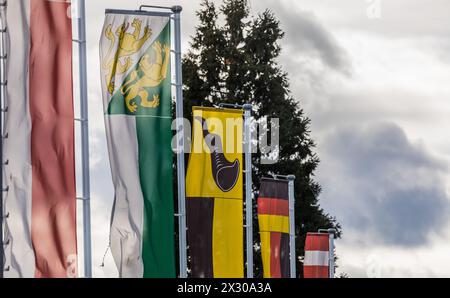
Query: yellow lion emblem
x=154, y=68
x=129, y=43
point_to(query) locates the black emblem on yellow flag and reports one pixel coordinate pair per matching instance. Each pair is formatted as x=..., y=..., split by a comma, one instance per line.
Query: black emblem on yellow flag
x=225, y=173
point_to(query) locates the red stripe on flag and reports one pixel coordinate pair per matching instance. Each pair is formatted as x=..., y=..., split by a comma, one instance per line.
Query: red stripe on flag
x=317, y=241
x=53, y=227
x=275, y=255
x=273, y=206
x=315, y=271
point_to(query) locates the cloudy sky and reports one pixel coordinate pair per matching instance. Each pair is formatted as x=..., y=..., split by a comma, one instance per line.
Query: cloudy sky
x=374, y=78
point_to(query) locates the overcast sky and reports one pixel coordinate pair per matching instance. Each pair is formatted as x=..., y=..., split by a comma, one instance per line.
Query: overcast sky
x=373, y=76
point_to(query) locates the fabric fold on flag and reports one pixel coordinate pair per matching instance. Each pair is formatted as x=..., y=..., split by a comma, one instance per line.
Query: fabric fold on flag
x=136, y=82
x=273, y=216
x=214, y=191
x=40, y=230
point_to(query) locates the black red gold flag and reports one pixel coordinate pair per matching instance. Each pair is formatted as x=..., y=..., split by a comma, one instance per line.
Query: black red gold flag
x=273, y=215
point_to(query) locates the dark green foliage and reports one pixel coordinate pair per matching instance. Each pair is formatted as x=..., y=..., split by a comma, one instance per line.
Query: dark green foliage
x=233, y=59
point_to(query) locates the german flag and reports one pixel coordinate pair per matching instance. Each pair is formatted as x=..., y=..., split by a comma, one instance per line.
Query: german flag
x=214, y=191
x=273, y=215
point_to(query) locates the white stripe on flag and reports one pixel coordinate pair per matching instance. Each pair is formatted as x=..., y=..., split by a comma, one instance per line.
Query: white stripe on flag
x=17, y=175
x=316, y=258
x=128, y=214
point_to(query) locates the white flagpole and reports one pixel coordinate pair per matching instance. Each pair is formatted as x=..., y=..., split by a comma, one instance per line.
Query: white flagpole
x=293, y=257
x=84, y=138
x=180, y=154
x=248, y=188
x=331, y=233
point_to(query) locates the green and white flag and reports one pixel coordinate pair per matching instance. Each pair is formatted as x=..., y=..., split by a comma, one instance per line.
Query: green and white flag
x=136, y=80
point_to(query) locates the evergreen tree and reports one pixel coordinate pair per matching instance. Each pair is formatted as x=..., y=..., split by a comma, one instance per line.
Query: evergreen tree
x=233, y=59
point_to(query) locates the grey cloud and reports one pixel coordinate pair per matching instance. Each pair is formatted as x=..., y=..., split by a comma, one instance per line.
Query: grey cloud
x=386, y=188
x=407, y=217
x=306, y=35
x=366, y=146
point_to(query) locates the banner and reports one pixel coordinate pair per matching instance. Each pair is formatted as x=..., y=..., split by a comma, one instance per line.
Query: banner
x=273, y=215
x=136, y=80
x=317, y=255
x=40, y=232
x=214, y=191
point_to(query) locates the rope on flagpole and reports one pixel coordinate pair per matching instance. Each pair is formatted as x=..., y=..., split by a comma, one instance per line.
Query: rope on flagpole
x=104, y=255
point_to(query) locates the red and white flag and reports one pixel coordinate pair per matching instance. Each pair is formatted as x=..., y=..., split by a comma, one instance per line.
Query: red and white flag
x=317, y=256
x=40, y=176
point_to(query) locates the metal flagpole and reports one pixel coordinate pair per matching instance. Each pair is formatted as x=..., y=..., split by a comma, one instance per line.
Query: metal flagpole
x=84, y=138
x=180, y=154
x=3, y=83
x=292, y=253
x=331, y=233
x=293, y=257
x=248, y=188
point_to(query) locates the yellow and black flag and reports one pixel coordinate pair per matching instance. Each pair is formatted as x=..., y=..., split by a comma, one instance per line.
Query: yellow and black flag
x=273, y=215
x=214, y=190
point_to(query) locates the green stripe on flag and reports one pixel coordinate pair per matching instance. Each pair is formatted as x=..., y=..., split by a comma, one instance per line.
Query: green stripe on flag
x=155, y=168
x=155, y=162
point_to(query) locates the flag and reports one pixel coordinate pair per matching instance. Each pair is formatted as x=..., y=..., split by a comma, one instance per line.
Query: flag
x=136, y=80
x=214, y=190
x=317, y=255
x=40, y=176
x=273, y=216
